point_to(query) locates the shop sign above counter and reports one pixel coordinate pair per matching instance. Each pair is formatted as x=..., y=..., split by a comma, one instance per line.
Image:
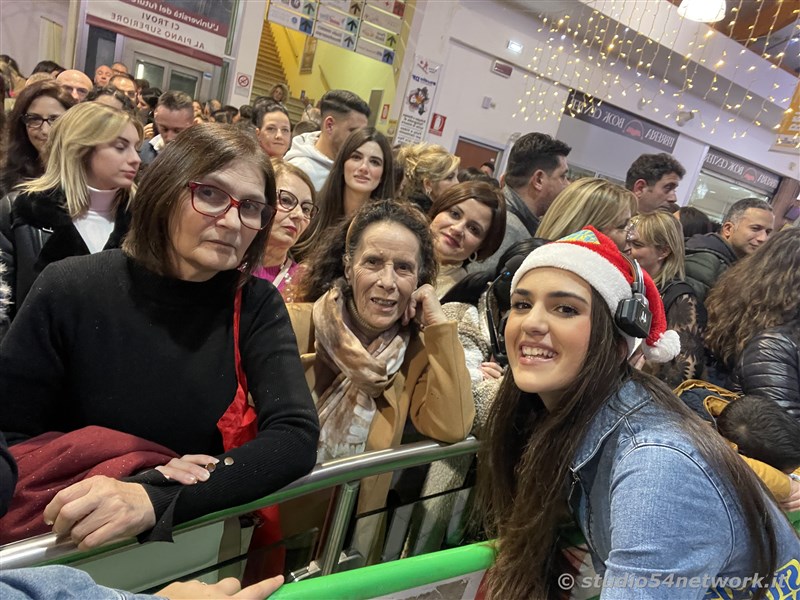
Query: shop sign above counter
x=591, y=110
x=741, y=171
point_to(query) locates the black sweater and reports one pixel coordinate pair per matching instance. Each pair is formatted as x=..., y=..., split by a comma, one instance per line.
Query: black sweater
x=102, y=341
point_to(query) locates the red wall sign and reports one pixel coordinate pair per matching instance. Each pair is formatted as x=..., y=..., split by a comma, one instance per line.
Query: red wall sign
x=437, y=124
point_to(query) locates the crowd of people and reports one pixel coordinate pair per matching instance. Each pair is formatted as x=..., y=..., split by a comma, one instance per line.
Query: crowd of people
x=202, y=302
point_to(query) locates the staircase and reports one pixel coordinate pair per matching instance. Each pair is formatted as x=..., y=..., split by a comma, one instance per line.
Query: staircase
x=269, y=71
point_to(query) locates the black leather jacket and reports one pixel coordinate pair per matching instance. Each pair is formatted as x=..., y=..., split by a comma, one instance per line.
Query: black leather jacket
x=770, y=366
x=36, y=230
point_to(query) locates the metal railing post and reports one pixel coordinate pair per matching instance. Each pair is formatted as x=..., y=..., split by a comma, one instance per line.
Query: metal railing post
x=348, y=494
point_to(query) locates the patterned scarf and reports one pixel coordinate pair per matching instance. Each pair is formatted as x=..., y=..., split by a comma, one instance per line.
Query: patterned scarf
x=346, y=408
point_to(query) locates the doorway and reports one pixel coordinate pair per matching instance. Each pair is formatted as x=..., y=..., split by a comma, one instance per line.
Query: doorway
x=474, y=153
x=166, y=75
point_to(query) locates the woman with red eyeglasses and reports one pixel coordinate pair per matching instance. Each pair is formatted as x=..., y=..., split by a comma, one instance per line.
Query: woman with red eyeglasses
x=170, y=342
x=296, y=208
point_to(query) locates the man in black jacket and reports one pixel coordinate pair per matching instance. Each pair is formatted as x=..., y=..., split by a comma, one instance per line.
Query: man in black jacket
x=746, y=226
x=536, y=173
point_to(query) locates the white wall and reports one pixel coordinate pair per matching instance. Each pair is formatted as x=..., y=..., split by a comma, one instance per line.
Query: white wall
x=19, y=29
x=466, y=37
x=245, y=50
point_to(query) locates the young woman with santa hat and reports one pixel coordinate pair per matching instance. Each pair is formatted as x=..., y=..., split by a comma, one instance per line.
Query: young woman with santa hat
x=667, y=509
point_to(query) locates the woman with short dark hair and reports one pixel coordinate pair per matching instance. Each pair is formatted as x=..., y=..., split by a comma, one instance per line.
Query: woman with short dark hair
x=164, y=340
x=371, y=313
x=468, y=221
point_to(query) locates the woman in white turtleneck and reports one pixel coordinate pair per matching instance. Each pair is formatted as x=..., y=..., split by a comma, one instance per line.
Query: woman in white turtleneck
x=79, y=206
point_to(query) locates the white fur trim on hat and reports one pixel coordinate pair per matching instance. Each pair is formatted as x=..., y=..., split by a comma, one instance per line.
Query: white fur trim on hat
x=665, y=349
x=599, y=273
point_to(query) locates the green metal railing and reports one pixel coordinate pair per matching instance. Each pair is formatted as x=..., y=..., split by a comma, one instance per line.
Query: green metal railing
x=392, y=577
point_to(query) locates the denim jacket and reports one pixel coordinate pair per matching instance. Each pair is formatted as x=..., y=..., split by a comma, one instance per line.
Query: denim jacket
x=660, y=522
x=65, y=583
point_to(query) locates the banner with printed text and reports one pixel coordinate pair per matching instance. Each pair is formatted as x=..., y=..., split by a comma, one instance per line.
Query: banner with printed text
x=611, y=118
x=197, y=28
x=417, y=101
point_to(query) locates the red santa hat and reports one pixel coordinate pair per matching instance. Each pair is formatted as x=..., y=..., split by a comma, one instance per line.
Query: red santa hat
x=596, y=259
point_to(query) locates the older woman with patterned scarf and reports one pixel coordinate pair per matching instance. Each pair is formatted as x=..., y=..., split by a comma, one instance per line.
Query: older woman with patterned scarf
x=376, y=346
x=367, y=340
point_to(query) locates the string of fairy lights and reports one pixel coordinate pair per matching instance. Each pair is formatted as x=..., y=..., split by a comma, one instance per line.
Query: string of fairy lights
x=593, y=56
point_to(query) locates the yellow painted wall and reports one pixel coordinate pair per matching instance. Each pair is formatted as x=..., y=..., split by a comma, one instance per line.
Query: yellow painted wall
x=334, y=68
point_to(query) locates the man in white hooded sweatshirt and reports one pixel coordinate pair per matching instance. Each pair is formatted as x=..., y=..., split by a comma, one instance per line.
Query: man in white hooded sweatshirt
x=342, y=113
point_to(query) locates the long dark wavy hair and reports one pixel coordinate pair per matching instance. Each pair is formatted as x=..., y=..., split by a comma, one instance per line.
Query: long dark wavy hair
x=523, y=466
x=22, y=160
x=769, y=299
x=331, y=196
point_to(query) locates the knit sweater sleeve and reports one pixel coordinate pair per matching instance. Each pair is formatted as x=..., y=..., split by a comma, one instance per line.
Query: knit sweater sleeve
x=288, y=428
x=31, y=365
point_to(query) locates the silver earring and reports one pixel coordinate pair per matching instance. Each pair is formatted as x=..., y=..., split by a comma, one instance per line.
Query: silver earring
x=473, y=257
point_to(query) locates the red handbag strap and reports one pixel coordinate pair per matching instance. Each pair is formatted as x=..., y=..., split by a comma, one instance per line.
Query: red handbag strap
x=237, y=313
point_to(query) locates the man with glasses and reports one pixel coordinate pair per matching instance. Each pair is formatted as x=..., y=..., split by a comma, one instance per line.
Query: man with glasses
x=76, y=83
x=173, y=113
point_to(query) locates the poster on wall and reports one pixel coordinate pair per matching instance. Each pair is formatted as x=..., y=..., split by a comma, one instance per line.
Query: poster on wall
x=417, y=102
x=196, y=28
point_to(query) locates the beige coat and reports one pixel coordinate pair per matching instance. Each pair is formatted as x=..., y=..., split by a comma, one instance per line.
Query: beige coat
x=432, y=387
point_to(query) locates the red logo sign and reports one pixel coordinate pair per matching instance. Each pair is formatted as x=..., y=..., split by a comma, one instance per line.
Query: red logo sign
x=242, y=80
x=437, y=124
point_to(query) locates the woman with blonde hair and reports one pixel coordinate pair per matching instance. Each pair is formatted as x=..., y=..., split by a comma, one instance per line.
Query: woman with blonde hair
x=656, y=242
x=428, y=169
x=80, y=205
x=754, y=321
x=279, y=93
x=606, y=206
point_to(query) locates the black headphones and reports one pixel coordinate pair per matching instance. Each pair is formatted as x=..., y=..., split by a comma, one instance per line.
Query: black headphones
x=633, y=315
x=501, y=285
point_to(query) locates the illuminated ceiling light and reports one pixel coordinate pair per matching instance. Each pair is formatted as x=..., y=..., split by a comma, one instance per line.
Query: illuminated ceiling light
x=703, y=11
x=515, y=47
